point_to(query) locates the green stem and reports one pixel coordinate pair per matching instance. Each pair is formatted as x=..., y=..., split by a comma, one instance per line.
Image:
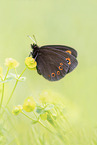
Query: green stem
x=16, y=72
x=27, y=116
x=6, y=74
x=3, y=88
x=37, y=121
x=15, y=86
x=35, y=114
x=12, y=92
x=2, y=96
x=45, y=126
x=22, y=72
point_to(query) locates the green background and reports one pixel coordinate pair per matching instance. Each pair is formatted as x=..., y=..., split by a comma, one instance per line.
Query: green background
x=71, y=23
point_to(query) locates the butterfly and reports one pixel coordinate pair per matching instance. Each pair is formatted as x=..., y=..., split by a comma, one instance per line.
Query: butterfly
x=54, y=61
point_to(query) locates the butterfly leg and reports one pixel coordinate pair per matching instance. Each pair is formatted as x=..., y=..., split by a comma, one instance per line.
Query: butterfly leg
x=36, y=56
x=30, y=54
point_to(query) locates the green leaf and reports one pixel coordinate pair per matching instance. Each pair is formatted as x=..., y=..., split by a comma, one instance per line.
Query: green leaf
x=40, y=110
x=17, y=76
x=22, y=79
x=50, y=120
x=9, y=78
x=49, y=107
x=54, y=116
x=34, y=121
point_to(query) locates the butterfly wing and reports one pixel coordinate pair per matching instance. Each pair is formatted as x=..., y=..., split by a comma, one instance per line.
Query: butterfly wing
x=51, y=65
x=67, y=49
x=69, y=57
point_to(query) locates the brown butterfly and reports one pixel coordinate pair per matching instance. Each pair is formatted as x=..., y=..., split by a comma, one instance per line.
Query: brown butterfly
x=54, y=61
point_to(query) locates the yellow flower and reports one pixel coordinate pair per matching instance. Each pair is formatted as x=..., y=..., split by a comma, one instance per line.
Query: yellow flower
x=11, y=63
x=44, y=116
x=30, y=63
x=17, y=109
x=29, y=104
x=1, y=70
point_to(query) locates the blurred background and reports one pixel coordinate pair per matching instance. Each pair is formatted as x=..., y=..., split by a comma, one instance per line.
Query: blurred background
x=71, y=23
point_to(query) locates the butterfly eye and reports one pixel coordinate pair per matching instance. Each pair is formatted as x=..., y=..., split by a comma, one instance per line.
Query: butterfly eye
x=53, y=74
x=60, y=68
x=58, y=73
x=68, y=51
x=61, y=63
x=68, y=60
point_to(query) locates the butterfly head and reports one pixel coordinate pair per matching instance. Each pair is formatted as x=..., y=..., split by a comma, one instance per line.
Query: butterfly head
x=34, y=51
x=34, y=46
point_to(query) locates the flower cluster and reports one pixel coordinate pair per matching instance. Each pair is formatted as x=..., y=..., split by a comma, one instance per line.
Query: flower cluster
x=43, y=109
x=29, y=105
x=17, y=109
x=11, y=63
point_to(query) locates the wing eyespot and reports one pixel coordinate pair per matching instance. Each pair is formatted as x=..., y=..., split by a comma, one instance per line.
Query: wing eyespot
x=53, y=74
x=68, y=51
x=60, y=68
x=58, y=72
x=68, y=60
x=61, y=63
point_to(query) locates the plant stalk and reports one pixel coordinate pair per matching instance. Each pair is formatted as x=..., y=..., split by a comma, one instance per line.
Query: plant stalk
x=3, y=89
x=15, y=86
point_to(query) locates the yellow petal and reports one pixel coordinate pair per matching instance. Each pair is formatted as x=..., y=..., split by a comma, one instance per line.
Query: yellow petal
x=11, y=63
x=29, y=104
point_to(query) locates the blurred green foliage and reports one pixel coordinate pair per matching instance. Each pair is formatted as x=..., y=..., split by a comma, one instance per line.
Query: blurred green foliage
x=71, y=23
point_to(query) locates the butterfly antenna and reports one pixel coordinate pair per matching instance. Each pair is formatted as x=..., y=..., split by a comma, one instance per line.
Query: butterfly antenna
x=35, y=38
x=31, y=39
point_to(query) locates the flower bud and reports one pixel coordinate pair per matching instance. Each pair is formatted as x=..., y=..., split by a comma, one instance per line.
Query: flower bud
x=29, y=104
x=17, y=109
x=30, y=63
x=44, y=116
x=11, y=63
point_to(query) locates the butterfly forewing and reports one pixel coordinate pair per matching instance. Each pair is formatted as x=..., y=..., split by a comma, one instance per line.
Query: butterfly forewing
x=61, y=47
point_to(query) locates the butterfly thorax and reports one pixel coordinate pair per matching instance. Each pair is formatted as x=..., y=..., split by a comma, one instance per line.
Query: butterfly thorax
x=35, y=50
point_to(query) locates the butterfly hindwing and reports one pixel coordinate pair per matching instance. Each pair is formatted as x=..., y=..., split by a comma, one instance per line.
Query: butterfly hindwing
x=72, y=61
x=51, y=65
